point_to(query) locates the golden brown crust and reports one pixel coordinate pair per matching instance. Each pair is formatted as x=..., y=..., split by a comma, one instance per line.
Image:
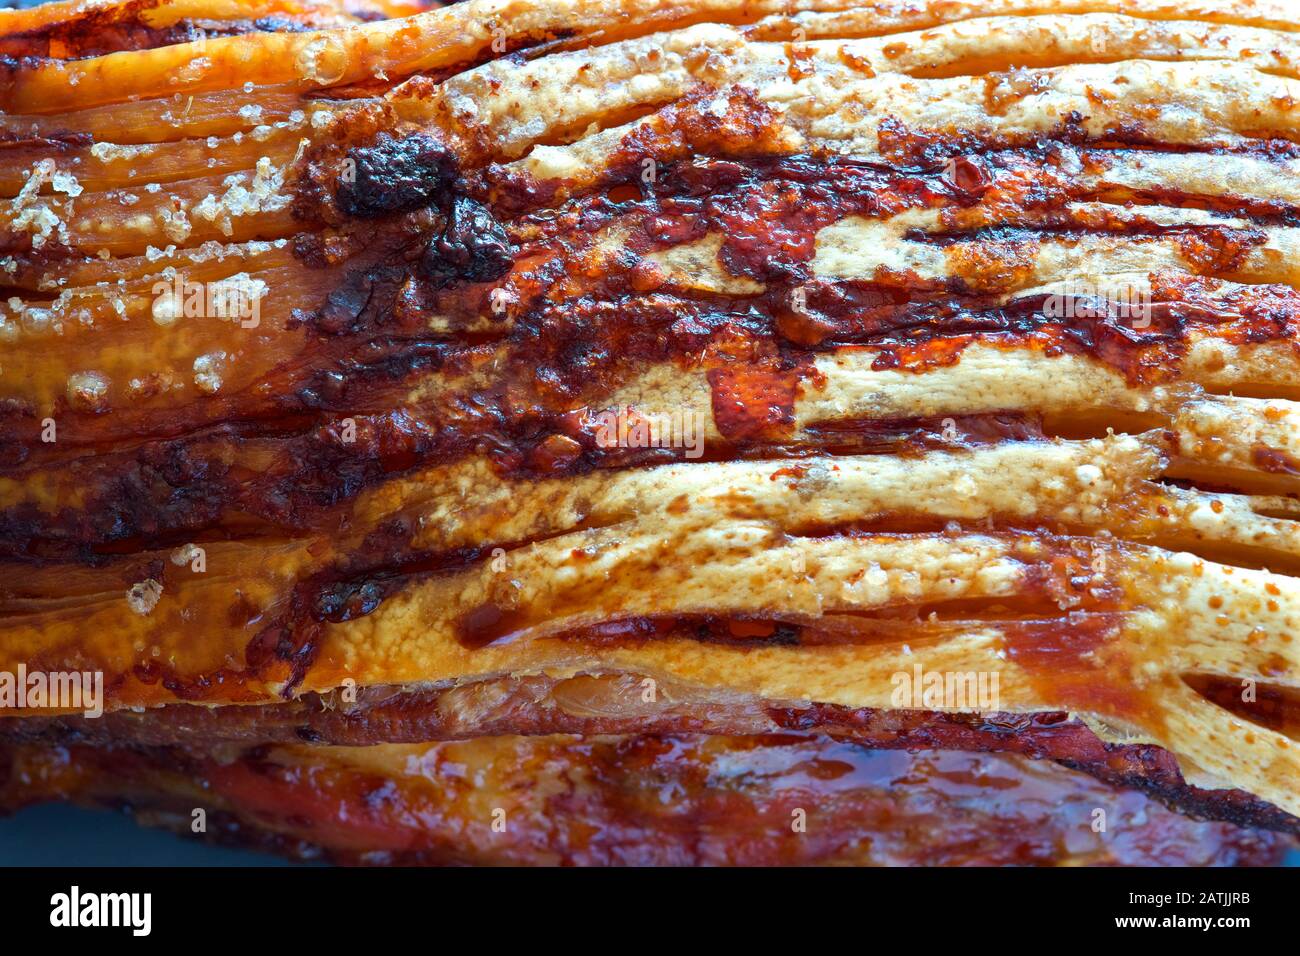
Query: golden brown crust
x=838, y=240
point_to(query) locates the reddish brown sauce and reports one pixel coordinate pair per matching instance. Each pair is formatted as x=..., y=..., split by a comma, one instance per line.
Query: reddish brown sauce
x=558, y=358
x=276, y=462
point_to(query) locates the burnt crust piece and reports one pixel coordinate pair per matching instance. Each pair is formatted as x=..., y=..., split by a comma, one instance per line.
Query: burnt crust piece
x=764, y=351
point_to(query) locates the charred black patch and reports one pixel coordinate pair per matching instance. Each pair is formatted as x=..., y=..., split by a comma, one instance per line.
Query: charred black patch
x=395, y=175
x=473, y=246
x=345, y=600
x=365, y=297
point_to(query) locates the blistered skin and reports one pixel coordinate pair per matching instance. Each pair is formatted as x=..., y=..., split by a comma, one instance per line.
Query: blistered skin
x=667, y=801
x=977, y=364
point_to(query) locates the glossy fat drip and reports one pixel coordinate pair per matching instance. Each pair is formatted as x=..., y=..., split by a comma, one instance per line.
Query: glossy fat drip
x=600, y=704
x=763, y=800
x=725, y=348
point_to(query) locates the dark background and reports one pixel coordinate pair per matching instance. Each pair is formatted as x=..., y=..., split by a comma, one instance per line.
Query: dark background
x=59, y=835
